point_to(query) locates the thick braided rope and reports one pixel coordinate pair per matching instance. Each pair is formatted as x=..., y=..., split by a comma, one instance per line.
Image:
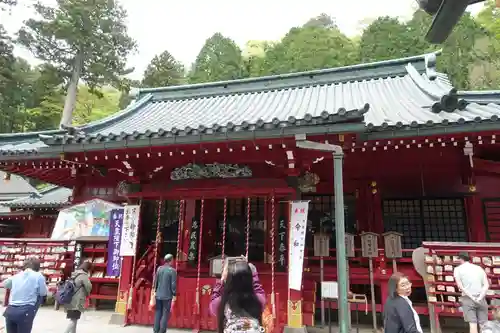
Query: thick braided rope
x=224, y=230
x=179, y=233
x=273, y=253
x=198, y=273
x=247, y=244
x=157, y=240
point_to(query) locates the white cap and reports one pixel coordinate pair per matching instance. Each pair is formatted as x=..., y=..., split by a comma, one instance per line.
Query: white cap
x=169, y=257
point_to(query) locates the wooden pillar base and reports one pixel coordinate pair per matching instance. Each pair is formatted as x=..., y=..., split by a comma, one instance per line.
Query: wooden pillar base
x=295, y=314
x=117, y=319
x=289, y=329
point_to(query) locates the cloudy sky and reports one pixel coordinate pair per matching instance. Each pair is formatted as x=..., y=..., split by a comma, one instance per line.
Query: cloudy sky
x=182, y=26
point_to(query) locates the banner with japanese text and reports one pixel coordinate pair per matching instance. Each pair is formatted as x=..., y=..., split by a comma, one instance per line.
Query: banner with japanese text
x=128, y=244
x=298, y=228
x=113, y=266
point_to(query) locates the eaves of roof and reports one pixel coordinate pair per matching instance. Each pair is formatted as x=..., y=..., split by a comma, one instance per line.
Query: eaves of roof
x=397, y=96
x=53, y=197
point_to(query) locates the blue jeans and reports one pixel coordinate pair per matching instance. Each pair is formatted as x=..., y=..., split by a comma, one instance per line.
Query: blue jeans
x=162, y=314
x=19, y=319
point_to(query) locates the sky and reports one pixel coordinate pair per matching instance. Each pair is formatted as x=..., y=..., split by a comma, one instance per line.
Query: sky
x=181, y=27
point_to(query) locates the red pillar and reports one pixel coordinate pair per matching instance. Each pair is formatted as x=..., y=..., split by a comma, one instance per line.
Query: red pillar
x=124, y=290
x=475, y=221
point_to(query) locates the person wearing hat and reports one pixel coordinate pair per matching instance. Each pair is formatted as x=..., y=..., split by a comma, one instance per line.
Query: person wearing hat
x=165, y=287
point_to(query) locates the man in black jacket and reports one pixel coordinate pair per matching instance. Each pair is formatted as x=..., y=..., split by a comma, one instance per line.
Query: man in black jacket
x=164, y=292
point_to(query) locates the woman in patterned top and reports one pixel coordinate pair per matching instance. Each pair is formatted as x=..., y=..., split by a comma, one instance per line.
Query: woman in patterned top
x=238, y=300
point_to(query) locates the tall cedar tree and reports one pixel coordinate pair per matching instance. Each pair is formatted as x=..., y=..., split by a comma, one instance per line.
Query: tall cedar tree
x=84, y=39
x=163, y=71
x=220, y=59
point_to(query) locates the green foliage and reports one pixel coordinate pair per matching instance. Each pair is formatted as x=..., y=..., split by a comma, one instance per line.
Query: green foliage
x=90, y=34
x=91, y=106
x=489, y=17
x=388, y=38
x=306, y=48
x=220, y=59
x=321, y=21
x=163, y=71
x=91, y=40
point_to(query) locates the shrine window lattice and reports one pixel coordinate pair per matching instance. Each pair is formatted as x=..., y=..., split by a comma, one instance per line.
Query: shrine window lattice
x=321, y=217
x=236, y=216
x=419, y=220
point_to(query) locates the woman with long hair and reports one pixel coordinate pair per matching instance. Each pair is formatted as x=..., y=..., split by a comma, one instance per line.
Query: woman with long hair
x=399, y=314
x=238, y=300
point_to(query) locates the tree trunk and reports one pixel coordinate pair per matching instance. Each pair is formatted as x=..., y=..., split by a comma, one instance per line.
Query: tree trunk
x=70, y=100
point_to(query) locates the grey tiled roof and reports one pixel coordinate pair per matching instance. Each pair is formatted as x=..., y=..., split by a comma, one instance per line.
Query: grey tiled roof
x=53, y=197
x=401, y=93
x=23, y=143
x=15, y=187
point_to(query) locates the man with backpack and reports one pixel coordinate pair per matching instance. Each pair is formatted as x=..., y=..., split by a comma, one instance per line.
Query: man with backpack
x=73, y=293
x=26, y=289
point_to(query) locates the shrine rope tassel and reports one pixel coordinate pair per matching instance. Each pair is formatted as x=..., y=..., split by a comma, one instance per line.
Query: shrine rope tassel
x=224, y=231
x=247, y=230
x=273, y=253
x=179, y=233
x=157, y=241
x=200, y=238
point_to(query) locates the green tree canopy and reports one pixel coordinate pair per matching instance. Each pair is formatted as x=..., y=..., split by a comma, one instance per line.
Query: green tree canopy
x=163, y=71
x=307, y=48
x=90, y=106
x=321, y=21
x=220, y=59
x=83, y=40
x=388, y=38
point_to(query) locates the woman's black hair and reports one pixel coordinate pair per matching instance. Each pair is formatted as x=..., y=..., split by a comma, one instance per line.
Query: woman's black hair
x=239, y=295
x=393, y=282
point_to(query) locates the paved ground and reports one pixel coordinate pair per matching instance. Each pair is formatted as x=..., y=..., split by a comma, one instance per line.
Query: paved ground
x=51, y=321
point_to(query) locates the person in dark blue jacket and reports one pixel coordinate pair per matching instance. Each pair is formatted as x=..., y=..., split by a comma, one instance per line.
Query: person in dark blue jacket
x=399, y=314
x=165, y=288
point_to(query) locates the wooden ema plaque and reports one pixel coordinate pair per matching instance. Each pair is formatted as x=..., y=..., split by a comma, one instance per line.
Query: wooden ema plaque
x=392, y=244
x=369, y=246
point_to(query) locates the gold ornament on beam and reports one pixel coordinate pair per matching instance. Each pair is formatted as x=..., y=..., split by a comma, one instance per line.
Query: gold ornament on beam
x=308, y=182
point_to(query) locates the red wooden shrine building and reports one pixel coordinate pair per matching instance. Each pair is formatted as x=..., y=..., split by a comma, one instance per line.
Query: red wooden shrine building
x=212, y=163
x=33, y=216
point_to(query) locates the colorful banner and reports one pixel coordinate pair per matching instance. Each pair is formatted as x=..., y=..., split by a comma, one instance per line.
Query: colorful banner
x=113, y=267
x=130, y=229
x=298, y=228
x=90, y=218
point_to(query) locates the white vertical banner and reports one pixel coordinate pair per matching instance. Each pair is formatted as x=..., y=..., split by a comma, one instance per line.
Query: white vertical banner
x=130, y=229
x=298, y=228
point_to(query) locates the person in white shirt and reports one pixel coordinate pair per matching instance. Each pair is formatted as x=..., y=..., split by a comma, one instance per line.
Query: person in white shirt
x=473, y=282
